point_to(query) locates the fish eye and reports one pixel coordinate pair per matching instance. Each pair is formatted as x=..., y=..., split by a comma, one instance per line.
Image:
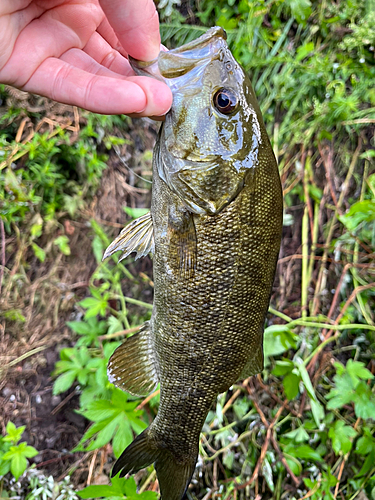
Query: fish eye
x=225, y=101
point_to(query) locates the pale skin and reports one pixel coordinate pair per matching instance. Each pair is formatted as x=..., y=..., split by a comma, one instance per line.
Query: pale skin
x=75, y=52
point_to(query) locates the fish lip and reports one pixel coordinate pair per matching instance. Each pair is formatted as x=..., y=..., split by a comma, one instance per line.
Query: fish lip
x=203, y=40
x=172, y=64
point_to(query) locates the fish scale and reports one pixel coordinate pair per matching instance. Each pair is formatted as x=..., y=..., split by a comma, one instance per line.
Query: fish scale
x=214, y=230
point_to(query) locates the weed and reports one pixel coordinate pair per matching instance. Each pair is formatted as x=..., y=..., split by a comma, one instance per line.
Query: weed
x=13, y=456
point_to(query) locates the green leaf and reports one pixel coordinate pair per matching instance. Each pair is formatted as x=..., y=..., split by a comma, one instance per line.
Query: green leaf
x=365, y=443
x=29, y=451
x=283, y=367
x=80, y=327
x=115, y=419
x=82, y=377
x=106, y=430
x=89, y=330
x=63, y=243
x=123, y=437
x=267, y=474
x=364, y=401
x=121, y=488
x=99, y=232
x=357, y=371
x=298, y=435
x=98, y=249
x=241, y=407
x=4, y=466
x=291, y=383
x=301, y=10
x=18, y=465
x=100, y=410
x=94, y=306
x=317, y=411
x=294, y=464
x=13, y=433
x=304, y=451
x=305, y=378
x=17, y=456
x=342, y=394
x=359, y=212
x=278, y=339
x=136, y=212
x=115, y=325
x=64, y=382
x=341, y=436
x=39, y=252
x=368, y=464
x=351, y=387
x=91, y=431
x=303, y=51
x=97, y=491
x=36, y=229
x=228, y=459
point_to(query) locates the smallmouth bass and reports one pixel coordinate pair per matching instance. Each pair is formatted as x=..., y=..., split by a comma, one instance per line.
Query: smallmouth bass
x=214, y=229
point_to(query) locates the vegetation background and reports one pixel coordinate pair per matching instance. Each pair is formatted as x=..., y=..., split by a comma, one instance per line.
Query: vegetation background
x=70, y=180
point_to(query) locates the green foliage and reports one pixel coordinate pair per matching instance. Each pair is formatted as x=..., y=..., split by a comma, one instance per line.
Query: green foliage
x=342, y=437
x=310, y=91
x=322, y=488
x=115, y=419
x=43, y=184
x=34, y=485
x=18, y=455
x=13, y=456
x=121, y=488
x=351, y=387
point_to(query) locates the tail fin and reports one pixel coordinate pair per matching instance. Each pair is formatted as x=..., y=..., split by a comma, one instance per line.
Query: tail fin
x=174, y=477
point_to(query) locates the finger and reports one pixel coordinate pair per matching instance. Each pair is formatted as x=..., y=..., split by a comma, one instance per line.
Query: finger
x=159, y=95
x=82, y=60
x=136, y=24
x=106, y=31
x=65, y=83
x=48, y=37
x=14, y=17
x=104, y=54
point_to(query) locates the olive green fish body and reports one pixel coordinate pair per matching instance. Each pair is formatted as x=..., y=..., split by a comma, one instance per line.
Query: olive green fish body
x=216, y=220
x=209, y=327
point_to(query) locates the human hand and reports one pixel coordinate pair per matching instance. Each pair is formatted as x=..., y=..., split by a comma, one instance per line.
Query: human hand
x=75, y=52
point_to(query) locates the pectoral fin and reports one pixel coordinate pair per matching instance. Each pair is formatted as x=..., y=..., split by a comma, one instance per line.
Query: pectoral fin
x=132, y=367
x=182, y=242
x=138, y=237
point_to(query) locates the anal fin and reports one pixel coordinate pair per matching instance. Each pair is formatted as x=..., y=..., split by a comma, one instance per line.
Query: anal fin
x=131, y=367
x=138, y=236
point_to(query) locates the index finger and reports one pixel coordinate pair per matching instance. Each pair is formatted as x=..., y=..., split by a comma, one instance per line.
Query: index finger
x=136, y=24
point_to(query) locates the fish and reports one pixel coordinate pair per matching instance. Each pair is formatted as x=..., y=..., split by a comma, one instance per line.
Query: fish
x=214, y=231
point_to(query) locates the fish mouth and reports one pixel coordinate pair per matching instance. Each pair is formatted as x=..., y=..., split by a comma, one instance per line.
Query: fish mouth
x=182, y=60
